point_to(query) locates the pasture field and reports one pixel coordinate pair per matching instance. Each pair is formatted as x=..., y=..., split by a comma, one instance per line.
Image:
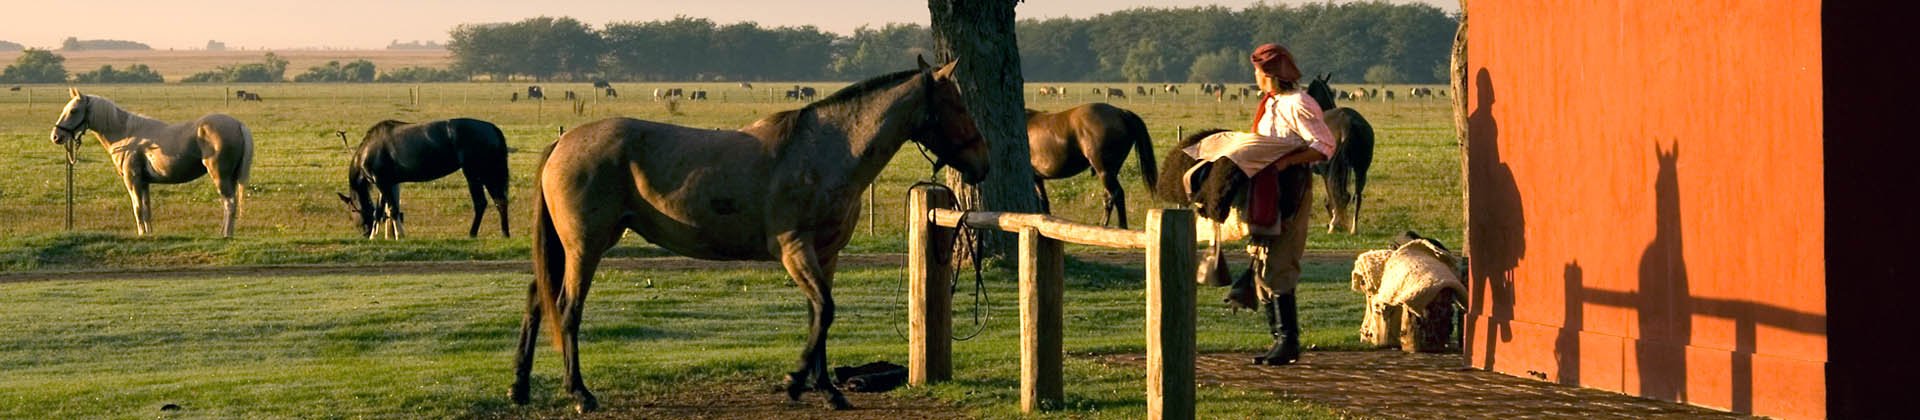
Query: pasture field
x=431, y=345
x=291, y=215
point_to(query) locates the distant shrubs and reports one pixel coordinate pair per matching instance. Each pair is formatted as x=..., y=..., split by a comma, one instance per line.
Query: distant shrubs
x=76, y=44
x=138, y=73
x=358, y=71
x=36, y=66
x=271, y=69
x=421, y=75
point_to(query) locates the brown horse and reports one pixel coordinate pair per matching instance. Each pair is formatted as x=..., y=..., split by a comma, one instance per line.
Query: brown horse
x=784, y=188
x=146, y=151
x=1096, y=135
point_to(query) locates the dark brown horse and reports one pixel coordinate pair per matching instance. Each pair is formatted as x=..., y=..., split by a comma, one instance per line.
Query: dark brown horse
x=1349, y=162
x=395, y=151
x=1095, y=135
x=784, y=188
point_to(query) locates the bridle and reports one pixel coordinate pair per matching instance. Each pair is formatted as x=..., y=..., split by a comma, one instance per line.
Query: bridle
x=79, y=123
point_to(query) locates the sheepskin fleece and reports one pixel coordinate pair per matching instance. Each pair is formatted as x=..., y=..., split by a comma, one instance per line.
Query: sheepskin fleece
x=1367, y=269
x=1414, y=274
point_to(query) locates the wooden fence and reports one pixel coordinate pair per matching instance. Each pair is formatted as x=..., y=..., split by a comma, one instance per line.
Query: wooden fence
x=1168, y=241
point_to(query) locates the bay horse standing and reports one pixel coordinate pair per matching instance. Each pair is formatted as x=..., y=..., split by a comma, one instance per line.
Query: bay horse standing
x=146, y=151
x=1350, y=160
x=1096, y=135
x=395, y=151
x=784, y=188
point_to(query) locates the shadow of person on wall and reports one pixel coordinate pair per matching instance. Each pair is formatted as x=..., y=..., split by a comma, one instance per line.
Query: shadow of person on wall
x=1496, y=224
x=1665, y=305
x=1566, y=347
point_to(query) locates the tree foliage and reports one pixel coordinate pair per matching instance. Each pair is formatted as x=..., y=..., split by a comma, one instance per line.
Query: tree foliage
x=420, y=74
x=1141, y=45
x=6, y=46
x=36, y=66
x=270, y=69
x=358, y=71
x=137, y=73
x=76, y=44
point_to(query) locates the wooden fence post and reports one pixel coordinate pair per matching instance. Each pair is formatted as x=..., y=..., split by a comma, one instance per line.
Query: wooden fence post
x=1042, y=284
x=929, y=288
x=1170, y=314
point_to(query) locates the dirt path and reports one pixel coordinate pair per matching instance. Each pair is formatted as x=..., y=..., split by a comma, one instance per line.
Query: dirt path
x=521, y=266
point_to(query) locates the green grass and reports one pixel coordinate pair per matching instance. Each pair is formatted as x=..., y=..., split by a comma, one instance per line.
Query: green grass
x=437, y=346
x=291, y=214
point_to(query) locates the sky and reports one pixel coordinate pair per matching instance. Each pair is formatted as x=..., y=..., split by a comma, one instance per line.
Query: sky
x=371, y=24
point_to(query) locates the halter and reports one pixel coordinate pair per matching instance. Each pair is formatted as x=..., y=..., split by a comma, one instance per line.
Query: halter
x=79, y=124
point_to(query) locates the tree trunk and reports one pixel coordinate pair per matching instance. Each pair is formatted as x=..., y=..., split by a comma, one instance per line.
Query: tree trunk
x=1460, y=125
x=980, y=33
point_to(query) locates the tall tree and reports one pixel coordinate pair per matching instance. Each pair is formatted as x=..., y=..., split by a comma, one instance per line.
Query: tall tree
x=36, y=66
x=980, y=33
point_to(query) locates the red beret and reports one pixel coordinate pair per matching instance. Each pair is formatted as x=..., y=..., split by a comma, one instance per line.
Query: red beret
x=1276, y=61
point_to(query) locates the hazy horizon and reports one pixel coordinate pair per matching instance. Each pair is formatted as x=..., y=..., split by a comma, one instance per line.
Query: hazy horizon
x=346, y=24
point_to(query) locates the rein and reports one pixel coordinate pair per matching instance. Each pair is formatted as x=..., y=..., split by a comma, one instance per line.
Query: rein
x=965, y=235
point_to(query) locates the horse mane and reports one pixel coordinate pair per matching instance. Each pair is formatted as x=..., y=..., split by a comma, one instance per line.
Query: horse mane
x=783, y=124
x=386, y=126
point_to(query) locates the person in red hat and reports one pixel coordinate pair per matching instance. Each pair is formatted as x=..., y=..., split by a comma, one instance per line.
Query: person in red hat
x=1285, y=112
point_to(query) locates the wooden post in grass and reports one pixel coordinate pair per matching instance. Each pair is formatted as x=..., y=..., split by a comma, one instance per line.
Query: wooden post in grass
x=1042, y=284
x=71, y=146
x=1170, y=314
x=929, y=288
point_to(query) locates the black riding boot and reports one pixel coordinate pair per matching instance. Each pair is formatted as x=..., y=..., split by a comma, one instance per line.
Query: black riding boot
x=1283, y=318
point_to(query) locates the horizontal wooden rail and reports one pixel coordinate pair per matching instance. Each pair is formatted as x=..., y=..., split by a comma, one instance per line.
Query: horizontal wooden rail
x=1049, y=226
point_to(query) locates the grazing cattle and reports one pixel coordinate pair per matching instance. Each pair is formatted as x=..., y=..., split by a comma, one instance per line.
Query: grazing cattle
x=601, y=84
x=807, y=93
x=1171, y=89
x=514, y=98
x=1420, y=92
x=571, y=96
x=1053, y=91
x=534, y=92
x=1358, y=94
x=394, y=152
x=1246, y=92
x=1233, y=97
x=1389, y=97
x=612, y=93
x=793, y=94
x=1099, y=91
x=663, y=93
x=247, y=96
x=1142, y=90
x=1116, y=93
x=745, y=85
x=14, y=88
x=698, y=95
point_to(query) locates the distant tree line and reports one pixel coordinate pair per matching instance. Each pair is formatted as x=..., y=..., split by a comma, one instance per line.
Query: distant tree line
x=8, y=46
x=1374, y=42
x=76, y=44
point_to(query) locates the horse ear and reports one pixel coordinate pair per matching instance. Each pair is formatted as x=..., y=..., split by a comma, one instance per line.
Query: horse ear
x=922, y=60
x=946, y=71
x=73, y=91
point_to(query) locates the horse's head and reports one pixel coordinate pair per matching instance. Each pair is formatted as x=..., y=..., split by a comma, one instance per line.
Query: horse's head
x=360, y=203
x=948, y=129
x=1321, y=92
x=74, y=118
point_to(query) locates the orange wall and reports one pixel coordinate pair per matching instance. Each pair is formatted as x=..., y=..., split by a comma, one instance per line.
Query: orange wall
x=1645, y=206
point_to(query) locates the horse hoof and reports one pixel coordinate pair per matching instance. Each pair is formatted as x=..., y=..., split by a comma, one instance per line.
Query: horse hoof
x=586, y=404
x=838, y=402
x=518, y=394
x=796, y=385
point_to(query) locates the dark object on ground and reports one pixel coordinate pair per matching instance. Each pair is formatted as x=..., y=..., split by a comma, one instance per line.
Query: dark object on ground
x=170, y=407
x=881, y=376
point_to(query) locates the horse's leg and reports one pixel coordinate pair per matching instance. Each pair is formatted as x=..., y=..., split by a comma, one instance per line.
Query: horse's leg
x=1359, y=196
x=1116, y=198
x=479, y=196
x=580, y=267
x=498, y=190
x=797, y=254
x=523, y=354
x=142, y=206
x=1046, y=203
x=390, y=201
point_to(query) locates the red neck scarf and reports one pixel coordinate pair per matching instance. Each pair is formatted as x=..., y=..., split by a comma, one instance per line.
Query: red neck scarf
x=1260, y=111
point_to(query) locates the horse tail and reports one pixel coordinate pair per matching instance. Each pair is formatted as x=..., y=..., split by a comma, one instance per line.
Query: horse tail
x=549, y=259
x=1142, y=146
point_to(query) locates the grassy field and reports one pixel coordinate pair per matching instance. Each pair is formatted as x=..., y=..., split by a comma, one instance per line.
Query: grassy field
x=291, y=214
x=439, y=346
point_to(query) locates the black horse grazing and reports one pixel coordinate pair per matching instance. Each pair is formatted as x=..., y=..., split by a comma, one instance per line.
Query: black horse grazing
x=395, y=152
x=1097, y=135
x=1349, y=162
